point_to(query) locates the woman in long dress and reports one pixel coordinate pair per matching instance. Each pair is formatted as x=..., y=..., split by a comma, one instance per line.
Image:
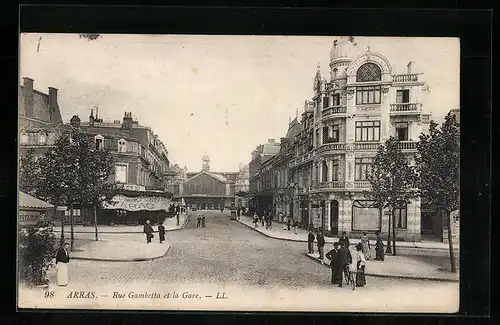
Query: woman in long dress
x=365, y=242
x=62, y=263
x=360, y=266
x=379, y=248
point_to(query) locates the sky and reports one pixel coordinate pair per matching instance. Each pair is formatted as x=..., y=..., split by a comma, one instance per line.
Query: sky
x=215, y=95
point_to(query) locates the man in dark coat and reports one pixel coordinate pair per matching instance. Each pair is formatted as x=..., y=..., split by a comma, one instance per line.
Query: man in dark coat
x=321, y=244
x=161, y=232
x=344, y=239
x=333, y=256
x=345, y=259
x=310, y=242
x=148, y=230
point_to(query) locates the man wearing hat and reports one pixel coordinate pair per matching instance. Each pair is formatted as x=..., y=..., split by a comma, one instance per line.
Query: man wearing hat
x=333, y=256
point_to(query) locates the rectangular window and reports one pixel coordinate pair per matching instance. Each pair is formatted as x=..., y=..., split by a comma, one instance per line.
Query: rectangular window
x=325, y=102
x=368, y=95
x=326, y=137
x=362, y=168
x=98, y=144
x=400, y=216
x=368, y=131
x=336, y=133
x=403, y=96
x=402, y=131
x=335, y=170
x=336, y=100
x=121, y=173
x=324, y=171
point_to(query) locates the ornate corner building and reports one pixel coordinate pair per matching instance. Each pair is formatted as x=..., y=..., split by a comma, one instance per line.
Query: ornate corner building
x=319, y=173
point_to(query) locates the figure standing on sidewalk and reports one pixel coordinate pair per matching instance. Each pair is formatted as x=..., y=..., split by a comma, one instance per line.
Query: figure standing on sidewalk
x=203, y=221
x=321, y=243
x=262, y=220
x=177, y=215
x=255, y=220
x=295, y=226
x=148, y=230
x=365, y=243
x=62, y=263
x=360, y=266
x=345, y=259
x=198, y=221
x=333, y=256
x=288, y=223
x=344, y=239
x=161, y=233
x=310, y=242
x=379, y=248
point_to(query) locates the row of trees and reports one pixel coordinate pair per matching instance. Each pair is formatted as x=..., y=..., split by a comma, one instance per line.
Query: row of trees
x=72, y=172
x=434, y=177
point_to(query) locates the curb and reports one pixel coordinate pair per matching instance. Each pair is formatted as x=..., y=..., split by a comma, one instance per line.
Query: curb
x=142, y=259
x=305, y=241
x=406, y=277
x=121, y=232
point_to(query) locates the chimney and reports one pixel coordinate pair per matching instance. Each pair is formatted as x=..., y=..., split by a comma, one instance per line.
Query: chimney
x=409, y=67
x=271, y=140
x=75, y=121
x=91, y=118
x=127, y=121
x=28, y=96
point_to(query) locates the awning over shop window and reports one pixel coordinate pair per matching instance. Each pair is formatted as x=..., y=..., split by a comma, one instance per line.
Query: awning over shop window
x=140, y=203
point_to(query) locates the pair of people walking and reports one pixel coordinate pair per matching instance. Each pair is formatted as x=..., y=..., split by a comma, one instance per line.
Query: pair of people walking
x=149, y=231
x=200, y=221
x=341, y=259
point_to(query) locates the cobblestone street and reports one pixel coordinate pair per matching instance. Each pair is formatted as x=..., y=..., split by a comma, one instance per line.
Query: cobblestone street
x=228, y=254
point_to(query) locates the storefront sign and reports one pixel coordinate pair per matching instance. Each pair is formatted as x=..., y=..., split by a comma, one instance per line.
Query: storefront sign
x=153, y=203
x=62, y=208
x=27, y=218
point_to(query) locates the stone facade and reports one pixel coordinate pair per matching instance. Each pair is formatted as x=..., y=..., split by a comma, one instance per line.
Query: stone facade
x=319, y=175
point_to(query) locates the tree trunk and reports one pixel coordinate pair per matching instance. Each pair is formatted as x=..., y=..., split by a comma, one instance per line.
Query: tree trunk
x=72, y=228
x=450, y=243
x=95, y=222
x=388, y=250
x=393, y=234
x=62, y=224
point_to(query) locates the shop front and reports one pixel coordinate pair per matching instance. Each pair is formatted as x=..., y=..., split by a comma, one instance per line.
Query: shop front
x=31, y=209
x=133, y=210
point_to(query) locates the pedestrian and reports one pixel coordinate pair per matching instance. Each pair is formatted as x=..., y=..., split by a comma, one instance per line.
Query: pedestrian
x=148, y=230
x=203, y=221
x=288, y=223
x=321, y=244
x=177, y=215
x=365, y=243
x=255, y=220
x=360, y=266
x=262, y=220
x=344, y=239
x=295, y=226
x=345, y=259
x=310, y=242
x=161, y=232
x=266, y=220
x=198, y=222
x=379, y=248
x=281, y=217
x=62, y=263
x=270, y=220
x=333, y=256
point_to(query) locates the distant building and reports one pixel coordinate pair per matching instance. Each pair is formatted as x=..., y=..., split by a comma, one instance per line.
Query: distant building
x=213, y=190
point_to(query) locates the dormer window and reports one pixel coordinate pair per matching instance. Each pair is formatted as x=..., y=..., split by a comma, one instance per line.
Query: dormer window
x=99, y=142
x=122, y=145
x=42, y=138
x=24, y=138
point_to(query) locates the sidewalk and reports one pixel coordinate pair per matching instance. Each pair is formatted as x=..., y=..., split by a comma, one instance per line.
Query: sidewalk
x=278, y=231
x=120, y=251
x=402, y=267
x=169, y=223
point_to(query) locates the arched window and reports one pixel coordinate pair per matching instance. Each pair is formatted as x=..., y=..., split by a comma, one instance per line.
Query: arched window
x=122, y=145
x=42, y=137
x=369, y=72
x=334, y=73
x=99, y=142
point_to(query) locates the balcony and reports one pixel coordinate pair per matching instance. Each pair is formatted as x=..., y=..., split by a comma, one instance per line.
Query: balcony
x=405, y=108
x=366, y=146
x=336, y=146
x=410, y=77
x=408, y=145
x=334, y=185
x=334, y=111
x=364, y=185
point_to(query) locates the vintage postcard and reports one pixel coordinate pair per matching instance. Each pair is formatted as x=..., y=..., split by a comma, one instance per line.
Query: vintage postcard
x=239, y=173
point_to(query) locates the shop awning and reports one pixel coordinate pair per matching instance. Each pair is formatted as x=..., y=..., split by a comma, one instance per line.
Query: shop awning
x=139, y=203
x=27, y=201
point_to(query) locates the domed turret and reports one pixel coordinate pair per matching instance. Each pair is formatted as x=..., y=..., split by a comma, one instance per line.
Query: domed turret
x=342, y=47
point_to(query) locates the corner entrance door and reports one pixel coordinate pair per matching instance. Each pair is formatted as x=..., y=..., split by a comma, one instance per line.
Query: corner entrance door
x=334, y=217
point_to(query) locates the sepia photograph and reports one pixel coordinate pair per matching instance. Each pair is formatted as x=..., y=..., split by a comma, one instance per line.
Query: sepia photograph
x=238, y=173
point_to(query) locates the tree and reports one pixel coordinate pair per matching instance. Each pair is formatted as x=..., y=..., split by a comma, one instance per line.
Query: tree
x=438, y=167
x=28, y=173
x=73, y=172
x=393, y=182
